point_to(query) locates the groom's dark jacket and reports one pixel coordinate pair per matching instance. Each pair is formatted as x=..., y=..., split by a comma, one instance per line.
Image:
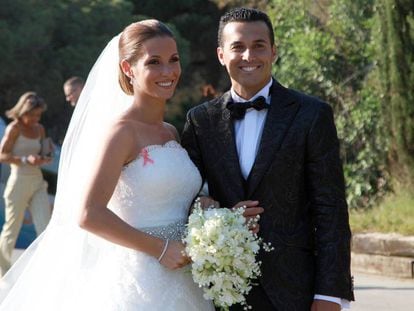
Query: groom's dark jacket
x=297, y=177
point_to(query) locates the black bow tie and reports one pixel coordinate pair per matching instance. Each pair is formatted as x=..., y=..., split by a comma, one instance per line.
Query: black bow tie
x=238, y=110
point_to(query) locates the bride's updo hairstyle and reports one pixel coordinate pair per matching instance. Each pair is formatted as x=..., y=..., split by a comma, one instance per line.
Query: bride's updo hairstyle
x=130, y=44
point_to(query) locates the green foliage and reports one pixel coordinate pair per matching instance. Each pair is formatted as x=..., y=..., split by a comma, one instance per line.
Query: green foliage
x=319, y=50
x=24, y=36
x=46, y=43
x=324, y=49
x=395, y=50
x=364, y=149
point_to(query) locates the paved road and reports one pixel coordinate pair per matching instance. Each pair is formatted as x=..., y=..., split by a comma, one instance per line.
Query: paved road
x=380, y=293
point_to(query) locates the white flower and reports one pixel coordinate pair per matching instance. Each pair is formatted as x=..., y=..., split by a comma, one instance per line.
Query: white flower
x=223, y=252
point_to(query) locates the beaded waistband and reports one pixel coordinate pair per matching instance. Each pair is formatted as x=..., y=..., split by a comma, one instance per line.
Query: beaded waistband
x=174, y=231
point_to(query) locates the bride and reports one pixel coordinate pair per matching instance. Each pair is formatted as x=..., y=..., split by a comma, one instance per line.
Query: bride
x=124, y=190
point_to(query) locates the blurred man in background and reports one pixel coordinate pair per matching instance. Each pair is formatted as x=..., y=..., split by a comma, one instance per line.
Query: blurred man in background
x=72, y=89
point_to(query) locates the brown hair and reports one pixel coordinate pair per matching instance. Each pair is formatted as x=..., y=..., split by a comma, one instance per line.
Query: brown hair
x=27, y=102
x=130, y=43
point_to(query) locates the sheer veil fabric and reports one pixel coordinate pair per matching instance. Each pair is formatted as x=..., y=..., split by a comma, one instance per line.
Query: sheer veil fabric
x=49, y=274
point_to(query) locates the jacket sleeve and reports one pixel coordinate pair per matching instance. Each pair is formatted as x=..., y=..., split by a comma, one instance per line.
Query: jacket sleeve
x=325, y=181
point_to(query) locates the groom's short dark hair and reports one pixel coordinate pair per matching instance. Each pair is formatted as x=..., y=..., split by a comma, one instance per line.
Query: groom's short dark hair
x=245, y=15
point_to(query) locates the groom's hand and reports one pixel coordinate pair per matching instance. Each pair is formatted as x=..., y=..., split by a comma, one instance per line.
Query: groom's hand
x=324, y=305
x=252, y=212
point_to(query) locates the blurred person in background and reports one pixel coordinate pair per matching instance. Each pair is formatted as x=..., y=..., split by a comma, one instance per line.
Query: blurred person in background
x=72, y=89
x=25, y=188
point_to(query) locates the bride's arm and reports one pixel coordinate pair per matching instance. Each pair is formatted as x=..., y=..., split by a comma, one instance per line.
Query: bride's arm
x=119, y=148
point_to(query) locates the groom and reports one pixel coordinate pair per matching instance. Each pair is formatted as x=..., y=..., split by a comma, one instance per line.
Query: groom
x=282, y=151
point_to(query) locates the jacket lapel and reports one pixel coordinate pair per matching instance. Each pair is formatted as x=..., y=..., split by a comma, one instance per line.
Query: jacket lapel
x=226, y=144
x=278, y=120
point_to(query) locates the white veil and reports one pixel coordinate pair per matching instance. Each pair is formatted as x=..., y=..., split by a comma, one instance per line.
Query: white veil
x=49, y=272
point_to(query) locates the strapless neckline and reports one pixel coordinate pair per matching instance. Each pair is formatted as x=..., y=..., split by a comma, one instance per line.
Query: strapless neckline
x=168, y=144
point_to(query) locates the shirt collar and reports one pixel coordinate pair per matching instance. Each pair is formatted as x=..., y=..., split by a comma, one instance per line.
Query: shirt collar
x=263, y=92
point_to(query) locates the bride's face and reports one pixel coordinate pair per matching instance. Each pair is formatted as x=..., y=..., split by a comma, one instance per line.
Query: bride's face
x=158, y=69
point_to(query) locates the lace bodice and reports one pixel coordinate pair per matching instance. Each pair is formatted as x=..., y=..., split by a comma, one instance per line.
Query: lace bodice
x=157, y=188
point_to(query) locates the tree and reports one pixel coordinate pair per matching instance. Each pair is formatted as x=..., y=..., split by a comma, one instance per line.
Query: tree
x=44, y=43
x=324, y=49
x=395, y=50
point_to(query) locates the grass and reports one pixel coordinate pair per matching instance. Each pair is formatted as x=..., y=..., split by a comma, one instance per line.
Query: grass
x=394, y=214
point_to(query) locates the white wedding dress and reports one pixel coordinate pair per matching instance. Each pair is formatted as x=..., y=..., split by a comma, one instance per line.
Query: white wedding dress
x=153, y=194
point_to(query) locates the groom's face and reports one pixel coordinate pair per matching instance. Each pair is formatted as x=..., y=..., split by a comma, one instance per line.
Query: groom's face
x=248, y=55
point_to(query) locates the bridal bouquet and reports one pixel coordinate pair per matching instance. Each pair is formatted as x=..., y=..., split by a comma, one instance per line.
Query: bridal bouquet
x=223, y=251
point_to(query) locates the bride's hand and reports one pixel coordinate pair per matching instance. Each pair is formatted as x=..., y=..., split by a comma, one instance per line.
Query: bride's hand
x=175, y=257
x=208, y=202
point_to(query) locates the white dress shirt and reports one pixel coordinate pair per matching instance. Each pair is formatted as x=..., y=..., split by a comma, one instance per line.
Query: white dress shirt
x=248, y=132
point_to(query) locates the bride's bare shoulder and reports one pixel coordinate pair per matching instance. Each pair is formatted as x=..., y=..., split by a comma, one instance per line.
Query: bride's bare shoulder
x=171, y=128
x=120, y=131
x=121, y=125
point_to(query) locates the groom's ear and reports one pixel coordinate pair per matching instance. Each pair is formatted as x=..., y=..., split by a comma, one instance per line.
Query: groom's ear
x=274, y=53
x=220, y=56
x=126, y=68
